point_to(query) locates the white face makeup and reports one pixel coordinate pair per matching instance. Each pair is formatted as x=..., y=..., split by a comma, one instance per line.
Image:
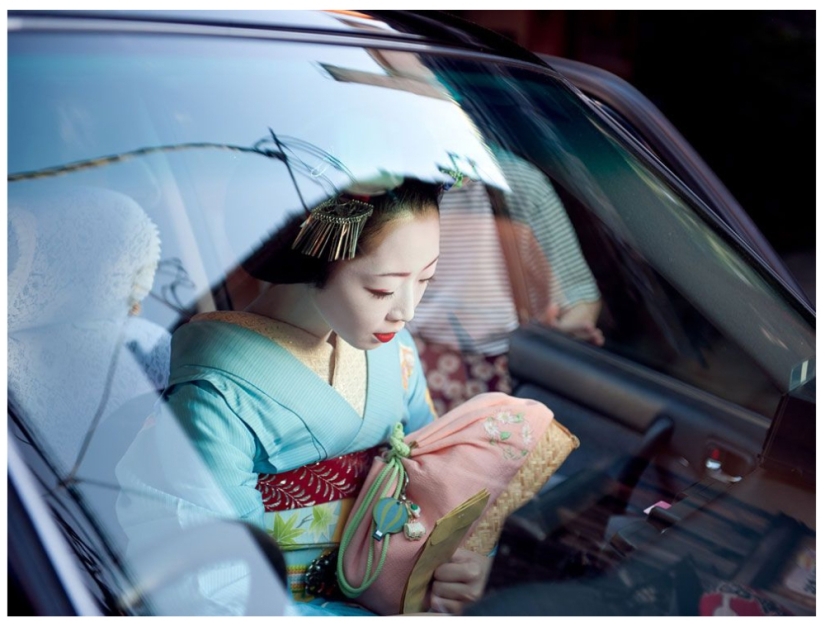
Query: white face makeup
x=370, y=298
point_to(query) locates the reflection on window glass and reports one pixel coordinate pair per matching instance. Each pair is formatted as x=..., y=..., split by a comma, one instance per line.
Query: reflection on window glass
x=674, y=295
x=145, y=172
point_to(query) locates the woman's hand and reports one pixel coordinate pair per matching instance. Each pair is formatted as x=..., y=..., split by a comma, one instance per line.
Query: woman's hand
x=459, y=582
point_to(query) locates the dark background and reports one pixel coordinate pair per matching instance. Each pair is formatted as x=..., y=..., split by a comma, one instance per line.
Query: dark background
x=739, y=86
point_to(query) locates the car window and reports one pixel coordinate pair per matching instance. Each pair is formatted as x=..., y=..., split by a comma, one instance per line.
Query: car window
x=676, y=294
x=143, y=170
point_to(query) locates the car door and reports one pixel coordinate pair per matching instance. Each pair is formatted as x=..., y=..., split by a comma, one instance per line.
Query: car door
x=635, y=389
x=705, y=344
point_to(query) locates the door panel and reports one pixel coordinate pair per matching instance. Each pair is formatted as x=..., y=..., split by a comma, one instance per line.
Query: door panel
x=610, y=403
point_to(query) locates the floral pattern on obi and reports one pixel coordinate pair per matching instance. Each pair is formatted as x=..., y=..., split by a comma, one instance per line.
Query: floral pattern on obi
x=307, y=526
x=510, y=432
x=321, y=482
x=304, y=534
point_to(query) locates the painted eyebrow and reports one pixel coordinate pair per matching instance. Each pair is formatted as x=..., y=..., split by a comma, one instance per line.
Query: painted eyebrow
x=406, y=274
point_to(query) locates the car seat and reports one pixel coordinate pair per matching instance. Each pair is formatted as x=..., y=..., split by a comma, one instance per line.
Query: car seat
x=80, y=260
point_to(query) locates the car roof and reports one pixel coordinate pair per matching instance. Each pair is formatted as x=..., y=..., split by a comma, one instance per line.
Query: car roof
x=428, y=27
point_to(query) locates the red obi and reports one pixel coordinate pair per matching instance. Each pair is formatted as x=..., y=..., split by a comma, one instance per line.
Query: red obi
x=324, y=481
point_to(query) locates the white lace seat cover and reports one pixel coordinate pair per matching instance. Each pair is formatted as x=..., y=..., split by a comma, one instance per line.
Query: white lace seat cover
x=79, y=260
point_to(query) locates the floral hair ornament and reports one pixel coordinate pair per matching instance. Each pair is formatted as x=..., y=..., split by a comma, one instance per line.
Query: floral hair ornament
x=457, y=178
x=332, y=229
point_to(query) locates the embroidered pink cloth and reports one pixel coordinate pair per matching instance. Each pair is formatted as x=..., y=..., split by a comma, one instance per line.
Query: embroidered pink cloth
x=479, y=445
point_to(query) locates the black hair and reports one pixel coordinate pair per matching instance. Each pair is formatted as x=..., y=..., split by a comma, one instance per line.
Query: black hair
x=275, y=261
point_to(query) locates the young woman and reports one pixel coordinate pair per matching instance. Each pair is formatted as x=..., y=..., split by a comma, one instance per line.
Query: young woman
x=287, y=401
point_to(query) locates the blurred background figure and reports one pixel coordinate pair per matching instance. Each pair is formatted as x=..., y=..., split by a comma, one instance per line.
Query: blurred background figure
x=506, y=259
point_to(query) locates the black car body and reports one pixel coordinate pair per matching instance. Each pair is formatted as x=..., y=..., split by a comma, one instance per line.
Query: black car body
x=696, y=474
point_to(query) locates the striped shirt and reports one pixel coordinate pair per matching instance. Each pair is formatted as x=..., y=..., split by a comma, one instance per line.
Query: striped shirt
x=469, y=304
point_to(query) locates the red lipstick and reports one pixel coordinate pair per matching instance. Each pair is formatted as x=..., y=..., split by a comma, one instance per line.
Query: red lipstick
x=384, y=337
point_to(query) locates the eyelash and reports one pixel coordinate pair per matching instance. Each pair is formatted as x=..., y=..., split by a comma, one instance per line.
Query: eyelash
x=383, y=295
x=380, y=295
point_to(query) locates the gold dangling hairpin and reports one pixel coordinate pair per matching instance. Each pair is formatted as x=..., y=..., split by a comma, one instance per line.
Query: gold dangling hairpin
x=333, y=226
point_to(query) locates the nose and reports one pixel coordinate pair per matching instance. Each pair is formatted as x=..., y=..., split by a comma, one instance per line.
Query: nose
x=403, y=309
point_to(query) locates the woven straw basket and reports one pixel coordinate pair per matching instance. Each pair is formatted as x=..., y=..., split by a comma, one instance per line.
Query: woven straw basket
x=550, y=452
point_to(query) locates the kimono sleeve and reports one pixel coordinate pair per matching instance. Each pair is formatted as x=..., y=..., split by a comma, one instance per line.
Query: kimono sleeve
x=224, y=442
x=190, y=465
x=416, y=394
x=196, y=457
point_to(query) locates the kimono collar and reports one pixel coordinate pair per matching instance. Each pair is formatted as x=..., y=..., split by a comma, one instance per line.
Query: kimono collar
x=343, y=366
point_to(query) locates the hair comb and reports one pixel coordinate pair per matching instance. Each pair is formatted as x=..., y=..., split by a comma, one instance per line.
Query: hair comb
x=332, y=229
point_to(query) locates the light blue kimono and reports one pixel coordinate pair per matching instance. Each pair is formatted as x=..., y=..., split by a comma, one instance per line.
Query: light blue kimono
x=249, y=406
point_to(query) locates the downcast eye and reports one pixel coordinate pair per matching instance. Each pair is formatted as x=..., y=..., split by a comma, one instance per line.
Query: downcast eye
x=379, y=293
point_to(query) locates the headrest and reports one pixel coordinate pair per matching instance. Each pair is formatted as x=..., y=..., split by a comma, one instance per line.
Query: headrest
x=76, y=254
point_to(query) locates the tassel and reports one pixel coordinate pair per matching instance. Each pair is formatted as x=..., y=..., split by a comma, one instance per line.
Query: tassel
x=333, y=228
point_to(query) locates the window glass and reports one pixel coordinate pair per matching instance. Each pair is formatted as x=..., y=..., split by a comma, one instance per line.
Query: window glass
x=673, y=293
x=144, y=170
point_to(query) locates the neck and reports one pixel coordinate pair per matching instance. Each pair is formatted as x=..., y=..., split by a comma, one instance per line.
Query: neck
x=294, y=305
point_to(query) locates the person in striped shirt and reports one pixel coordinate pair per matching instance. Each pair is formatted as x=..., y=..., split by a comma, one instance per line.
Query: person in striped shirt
x=463, y=323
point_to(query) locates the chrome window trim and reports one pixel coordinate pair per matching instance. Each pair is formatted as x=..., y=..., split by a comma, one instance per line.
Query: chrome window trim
x=394, y=41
